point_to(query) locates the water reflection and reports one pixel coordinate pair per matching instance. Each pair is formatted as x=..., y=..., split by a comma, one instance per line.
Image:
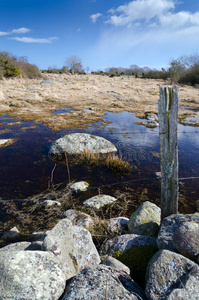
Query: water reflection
x=26, y=168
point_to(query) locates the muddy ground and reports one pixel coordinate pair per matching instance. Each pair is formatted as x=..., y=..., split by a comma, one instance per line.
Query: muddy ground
x=88, y=96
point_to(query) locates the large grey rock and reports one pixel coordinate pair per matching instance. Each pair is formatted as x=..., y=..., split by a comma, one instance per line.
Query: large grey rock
x=125, y=242
x=134, y=251
x=145, y=220
x=60, y=241
x=186, y=239
x=99, y=201
x=102, y=282
x=87, y=254
x=79, y=218
x=172, y=276
x=118, y=225
x=76, y=143
x=30, y=275
x=171, y=227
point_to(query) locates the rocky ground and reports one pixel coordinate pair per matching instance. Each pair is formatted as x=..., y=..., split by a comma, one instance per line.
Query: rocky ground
x=140, y=259
x=65, y=101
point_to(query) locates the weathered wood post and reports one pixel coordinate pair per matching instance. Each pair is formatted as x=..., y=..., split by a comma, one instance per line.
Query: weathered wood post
x=168, y=124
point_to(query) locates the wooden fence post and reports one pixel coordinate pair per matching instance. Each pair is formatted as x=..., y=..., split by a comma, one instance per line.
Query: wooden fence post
x=168, y=124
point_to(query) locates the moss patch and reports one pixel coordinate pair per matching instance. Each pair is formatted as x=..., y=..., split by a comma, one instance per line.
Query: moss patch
x=137, y=259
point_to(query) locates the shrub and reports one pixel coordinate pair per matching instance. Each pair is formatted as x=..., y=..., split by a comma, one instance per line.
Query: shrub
x=191, y=76
x=29, y=70
x=11, y=66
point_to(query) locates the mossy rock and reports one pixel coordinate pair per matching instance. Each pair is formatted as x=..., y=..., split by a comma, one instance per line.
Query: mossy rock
x=137, y=259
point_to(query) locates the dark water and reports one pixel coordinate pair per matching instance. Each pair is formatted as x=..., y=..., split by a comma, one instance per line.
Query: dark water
x=25, y=168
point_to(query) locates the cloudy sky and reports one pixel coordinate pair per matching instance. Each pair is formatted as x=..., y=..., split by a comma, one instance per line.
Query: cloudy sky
x=103, y=33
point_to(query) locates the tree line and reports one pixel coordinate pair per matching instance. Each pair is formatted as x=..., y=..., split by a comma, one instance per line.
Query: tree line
x=183, y=70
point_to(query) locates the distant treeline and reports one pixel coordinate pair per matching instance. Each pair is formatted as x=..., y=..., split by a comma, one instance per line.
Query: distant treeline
x=183, y=70
x=12, y=66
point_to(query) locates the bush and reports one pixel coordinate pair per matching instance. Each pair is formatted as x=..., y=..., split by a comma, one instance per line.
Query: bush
x=191, y=76
x=8, y=68
x=11, y=66
x=29, y=70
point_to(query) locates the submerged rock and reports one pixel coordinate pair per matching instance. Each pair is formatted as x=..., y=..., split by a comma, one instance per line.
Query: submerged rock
x=6, y=142
x=76, y=143
x=172, y=276
x=193, y=120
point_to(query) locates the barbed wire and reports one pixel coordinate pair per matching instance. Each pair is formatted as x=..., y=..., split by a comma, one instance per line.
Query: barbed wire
x=98, y=187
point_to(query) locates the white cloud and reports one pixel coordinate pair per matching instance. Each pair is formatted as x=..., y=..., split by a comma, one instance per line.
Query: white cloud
x=15, y=31
x=180, y=19
x=139, y=10
x=95, y=17
x=34, y=40
x=20, y=30
x=2, y=33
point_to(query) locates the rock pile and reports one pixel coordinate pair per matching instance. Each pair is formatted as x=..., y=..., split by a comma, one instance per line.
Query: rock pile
x=65, y=264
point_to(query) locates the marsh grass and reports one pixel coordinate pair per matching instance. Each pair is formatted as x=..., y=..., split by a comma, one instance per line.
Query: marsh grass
x=112, y=162
x=117, y=164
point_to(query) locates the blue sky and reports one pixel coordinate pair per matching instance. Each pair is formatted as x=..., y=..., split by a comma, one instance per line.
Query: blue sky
x=103, y=33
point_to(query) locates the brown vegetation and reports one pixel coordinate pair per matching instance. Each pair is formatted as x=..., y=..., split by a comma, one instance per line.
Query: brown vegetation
x=32, y=99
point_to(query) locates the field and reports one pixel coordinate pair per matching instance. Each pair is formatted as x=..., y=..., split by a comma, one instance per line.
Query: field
x=88, y=97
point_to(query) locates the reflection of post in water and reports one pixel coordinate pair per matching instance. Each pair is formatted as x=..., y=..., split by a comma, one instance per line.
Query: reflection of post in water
x=168, y=124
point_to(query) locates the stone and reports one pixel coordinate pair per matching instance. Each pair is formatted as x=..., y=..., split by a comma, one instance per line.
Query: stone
x=30, y=275
x=186, y=239
x=193, y=120
x=21, y=246
x=99, y=201
x=125, y=242
x=80, y=186
x=102, y=282
x=171, y=276
x=60, y=242
x=134, y=251
x=79, y=218
x=116, y=264
x=51, y=203
x=87, y=254
x=76, y=143
x=145, y=220
x=169, y=226
x=6, y=142
x=118, y=225
x=11, y=234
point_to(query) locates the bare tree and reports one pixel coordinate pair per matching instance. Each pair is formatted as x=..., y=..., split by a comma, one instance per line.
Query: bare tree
x=74, y=64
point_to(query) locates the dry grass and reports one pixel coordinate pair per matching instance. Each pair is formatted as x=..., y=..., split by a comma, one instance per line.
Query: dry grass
x=30, y=99
x=117, y=164
x=110, y=161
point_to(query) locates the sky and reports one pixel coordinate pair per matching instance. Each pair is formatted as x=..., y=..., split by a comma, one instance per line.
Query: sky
x=103, y=33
